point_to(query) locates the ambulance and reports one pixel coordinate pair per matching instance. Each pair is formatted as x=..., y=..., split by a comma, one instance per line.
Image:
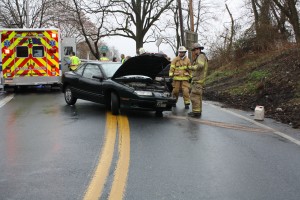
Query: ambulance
x=30, y=57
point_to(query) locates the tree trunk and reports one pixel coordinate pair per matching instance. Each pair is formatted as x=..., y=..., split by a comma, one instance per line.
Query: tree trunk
x=291, y=13
x=139, y=36
x=255, y=14
x=139, y=41
x=231, y=31
x=294, y=19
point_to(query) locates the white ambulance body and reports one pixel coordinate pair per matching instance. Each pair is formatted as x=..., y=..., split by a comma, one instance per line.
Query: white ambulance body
x=32, y=57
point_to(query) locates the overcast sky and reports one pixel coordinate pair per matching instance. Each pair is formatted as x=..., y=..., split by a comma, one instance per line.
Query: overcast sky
x=127, y=46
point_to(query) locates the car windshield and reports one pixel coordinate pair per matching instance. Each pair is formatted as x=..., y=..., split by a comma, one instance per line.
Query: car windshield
x=110, y=68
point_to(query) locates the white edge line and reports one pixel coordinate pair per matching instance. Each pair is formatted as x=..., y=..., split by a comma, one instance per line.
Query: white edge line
x=6, y=100
x=259, y=124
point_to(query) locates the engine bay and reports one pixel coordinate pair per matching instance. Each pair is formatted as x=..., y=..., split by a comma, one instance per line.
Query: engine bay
x=154, y=86
x=145, y=83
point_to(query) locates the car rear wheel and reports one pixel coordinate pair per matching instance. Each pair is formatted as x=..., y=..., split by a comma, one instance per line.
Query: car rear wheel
x=69, y=96
x=114, y=104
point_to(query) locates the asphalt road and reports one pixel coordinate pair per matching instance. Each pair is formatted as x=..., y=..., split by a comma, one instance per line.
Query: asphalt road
x=49, y=150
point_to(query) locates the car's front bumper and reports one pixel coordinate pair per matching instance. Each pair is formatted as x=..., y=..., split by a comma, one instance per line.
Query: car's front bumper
x=148, y=104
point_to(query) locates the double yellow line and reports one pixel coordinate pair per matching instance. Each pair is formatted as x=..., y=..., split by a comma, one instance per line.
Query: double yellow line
x=113, y=124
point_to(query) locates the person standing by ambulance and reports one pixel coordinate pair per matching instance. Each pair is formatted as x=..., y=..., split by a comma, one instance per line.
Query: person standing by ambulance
x=104, y=58
x=74, y=61
x=180, y=73
x=122, y=58
x=199, y=71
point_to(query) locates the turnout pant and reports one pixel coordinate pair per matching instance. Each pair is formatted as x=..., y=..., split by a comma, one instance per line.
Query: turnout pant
x=196, y=97
x=185, y=87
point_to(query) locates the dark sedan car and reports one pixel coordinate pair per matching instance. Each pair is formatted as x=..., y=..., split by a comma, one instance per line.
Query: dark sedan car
x=131, y=85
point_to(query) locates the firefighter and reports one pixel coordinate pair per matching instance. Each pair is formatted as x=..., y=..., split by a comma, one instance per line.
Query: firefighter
x=74, y=61
x=104, y=58
x=180, y=73
x=199, y=71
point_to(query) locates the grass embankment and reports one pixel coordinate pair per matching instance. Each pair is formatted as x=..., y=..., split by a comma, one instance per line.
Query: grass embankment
x=270, y=79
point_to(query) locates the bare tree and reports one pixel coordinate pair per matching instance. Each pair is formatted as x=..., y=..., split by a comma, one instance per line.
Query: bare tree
x=202, y=15
x=90, y=19
x=232, y=30
x=176, y=43
x=269, y=25
x=14, y=13
x=273, y=16
x=169, y=28
x=264, y=28
x=41, y=14
x=223, y=51
x=58, y=16
x=134, y=19
x=281, y=20
x=289, y=8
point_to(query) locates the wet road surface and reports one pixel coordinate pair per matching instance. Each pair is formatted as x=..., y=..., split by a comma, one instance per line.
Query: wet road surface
x=49, y=150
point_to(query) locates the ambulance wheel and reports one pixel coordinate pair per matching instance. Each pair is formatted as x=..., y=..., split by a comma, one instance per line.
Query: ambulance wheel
x=114, y=103
x=69, y=96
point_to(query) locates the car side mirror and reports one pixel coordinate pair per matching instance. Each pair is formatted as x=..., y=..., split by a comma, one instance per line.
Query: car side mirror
x=100, y=77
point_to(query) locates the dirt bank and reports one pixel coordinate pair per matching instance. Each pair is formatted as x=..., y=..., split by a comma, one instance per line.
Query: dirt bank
x=272, y=82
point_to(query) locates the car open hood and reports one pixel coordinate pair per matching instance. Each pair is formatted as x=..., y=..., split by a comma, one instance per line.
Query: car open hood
x=147, y=65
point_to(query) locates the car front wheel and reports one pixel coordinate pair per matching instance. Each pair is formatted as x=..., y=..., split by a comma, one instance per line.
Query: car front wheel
x=159, y=113
x=69, y=96
x=114, y=104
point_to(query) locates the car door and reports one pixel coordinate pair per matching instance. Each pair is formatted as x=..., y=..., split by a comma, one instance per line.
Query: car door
x=91, y=83
x=73, y=80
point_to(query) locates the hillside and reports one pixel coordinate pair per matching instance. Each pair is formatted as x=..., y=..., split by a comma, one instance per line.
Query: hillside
x=269, y=79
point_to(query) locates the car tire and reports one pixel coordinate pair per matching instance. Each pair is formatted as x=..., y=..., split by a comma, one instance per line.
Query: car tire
x=114, y=104
x=69, y=96
x=159, y=113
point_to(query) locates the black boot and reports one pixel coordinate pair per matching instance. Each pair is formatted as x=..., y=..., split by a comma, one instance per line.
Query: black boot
x=194, y=114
